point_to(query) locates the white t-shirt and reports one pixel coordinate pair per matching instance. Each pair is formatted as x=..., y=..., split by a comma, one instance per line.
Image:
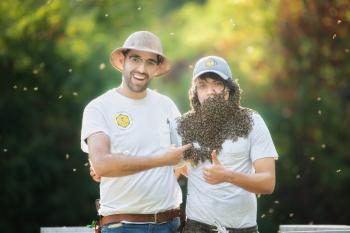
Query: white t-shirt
x=136, y=128
x=226, y=204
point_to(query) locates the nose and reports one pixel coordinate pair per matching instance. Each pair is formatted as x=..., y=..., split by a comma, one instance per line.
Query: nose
x=211, y=90
x=141, y=67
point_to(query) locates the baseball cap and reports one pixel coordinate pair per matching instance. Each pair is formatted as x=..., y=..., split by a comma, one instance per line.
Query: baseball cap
x=214, y=64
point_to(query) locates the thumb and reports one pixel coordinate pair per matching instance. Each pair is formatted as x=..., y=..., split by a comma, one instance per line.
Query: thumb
x=214, y=158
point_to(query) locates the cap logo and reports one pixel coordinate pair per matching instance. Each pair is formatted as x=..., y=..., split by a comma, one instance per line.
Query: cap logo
x=210, y=63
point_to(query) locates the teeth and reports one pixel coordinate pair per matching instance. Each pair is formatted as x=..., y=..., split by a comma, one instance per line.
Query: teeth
x=139, y=76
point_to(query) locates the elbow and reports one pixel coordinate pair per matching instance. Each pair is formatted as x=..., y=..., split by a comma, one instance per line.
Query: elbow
x=97, y=165
x=99, y=171
x=102, y=168
x=269, y=188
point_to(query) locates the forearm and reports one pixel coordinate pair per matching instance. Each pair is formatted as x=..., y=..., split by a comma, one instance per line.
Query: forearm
x=114, y=165
x=106, y=164
x=262, y=183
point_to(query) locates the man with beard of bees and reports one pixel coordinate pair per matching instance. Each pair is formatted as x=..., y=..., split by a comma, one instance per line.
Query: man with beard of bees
x=233, y=155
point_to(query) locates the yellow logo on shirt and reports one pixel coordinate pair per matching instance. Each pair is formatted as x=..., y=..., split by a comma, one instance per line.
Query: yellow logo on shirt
x=122, y=120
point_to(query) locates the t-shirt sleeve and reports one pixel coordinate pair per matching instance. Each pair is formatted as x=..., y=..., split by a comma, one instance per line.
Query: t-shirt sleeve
x=93, y=122
x=174, y=136
x=261, y=142
x=175, y=113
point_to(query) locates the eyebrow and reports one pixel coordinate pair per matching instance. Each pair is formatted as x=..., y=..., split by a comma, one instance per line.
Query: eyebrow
x=201, y=82
x=134, y=55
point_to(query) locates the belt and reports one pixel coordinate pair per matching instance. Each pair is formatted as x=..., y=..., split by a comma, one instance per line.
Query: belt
x=161, y=217
x=230, y=230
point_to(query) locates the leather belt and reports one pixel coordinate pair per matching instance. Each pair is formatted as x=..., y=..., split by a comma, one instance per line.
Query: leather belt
x=161, y=217
x=212, y=228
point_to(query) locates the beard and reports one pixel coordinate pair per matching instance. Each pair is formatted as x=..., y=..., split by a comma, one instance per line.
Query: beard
x=215, y=121
x=134, y=86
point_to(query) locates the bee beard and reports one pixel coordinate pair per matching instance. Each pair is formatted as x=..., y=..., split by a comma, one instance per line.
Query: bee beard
x=212, y=116
x=214, y=122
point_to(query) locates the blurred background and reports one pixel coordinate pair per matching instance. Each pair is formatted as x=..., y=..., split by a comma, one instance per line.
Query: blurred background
x=291, y=58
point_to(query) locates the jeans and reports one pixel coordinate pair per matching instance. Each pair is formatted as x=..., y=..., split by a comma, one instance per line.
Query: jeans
x=168, y=227
x=198, y=227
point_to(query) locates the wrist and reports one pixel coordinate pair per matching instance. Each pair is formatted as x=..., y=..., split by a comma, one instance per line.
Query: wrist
x=159, y=160
x=230, y=177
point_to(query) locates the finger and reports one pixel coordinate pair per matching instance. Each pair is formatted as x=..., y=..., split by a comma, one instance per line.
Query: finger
x=186, y=147
x=208, y=180
x=207, y=174
x=214, y=158
x=211, y=182
x=182, y=170
x=185, y=171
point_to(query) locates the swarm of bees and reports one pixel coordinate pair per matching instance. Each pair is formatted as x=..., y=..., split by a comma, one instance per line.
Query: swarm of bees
x=209, y=124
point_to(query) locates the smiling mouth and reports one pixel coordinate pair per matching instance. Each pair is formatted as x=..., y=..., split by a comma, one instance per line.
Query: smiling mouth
x=139, y=77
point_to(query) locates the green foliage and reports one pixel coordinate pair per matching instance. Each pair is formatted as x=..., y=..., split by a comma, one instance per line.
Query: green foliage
x=291, y=59
x=311, y=94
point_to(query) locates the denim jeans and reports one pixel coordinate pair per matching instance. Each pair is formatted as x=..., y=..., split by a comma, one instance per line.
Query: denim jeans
x=198, y=227
x=168, y=227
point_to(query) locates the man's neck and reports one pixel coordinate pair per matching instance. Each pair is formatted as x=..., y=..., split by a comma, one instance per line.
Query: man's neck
x=131, y=94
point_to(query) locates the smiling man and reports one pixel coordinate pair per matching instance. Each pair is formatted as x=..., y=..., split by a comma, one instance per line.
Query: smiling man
x=233, y=157
x=127, y=134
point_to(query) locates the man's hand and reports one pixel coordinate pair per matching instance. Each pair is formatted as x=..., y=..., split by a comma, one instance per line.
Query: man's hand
x=181, y=171
x=174, y=155
x=216, y=173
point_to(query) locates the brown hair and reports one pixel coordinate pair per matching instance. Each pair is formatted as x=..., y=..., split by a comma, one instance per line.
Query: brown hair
x=230, y=85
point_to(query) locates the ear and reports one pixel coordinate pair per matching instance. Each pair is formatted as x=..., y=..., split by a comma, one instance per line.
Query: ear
x=156, y=71
x=122, y=59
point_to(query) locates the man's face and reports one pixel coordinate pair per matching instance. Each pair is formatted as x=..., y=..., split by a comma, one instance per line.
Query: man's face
x=138, y=69
x=207, y=86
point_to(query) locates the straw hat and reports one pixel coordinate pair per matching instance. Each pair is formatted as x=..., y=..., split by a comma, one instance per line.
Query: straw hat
x=142, y=41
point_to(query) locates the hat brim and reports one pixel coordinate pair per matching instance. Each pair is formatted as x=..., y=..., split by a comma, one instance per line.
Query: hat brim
x=117, y=58
x=222, y=75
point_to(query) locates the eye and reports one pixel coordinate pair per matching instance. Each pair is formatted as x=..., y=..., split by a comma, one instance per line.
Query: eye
x=135, y=59
x=151, y=62
x=201, y=85
x=219, y=85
